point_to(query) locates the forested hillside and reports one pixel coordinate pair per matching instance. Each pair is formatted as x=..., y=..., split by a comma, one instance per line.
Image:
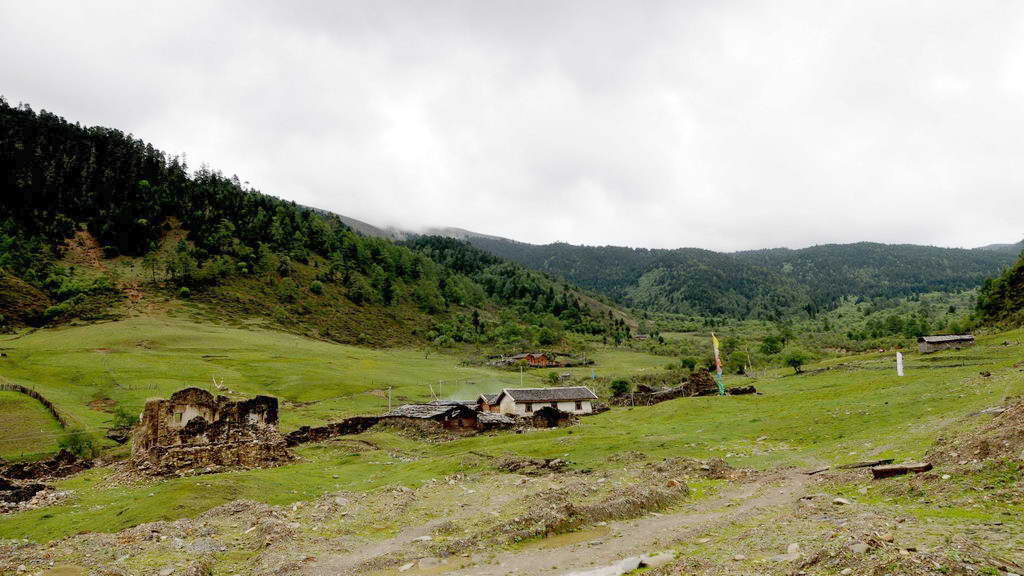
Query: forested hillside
x=204, y=237
x=1001, y=299
x=768, y=284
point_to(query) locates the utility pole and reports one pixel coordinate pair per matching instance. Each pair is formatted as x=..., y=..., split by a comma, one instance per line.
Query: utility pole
x=520, y=376
x=389, y=398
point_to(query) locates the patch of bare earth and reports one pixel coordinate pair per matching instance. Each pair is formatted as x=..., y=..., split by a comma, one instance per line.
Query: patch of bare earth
x=83, y=250
x=1001, y=438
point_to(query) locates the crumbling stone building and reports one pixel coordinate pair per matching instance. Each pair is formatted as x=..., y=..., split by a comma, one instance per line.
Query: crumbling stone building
x=194, y=431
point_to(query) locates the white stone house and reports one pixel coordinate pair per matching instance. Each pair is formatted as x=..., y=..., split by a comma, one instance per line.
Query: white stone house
x=526, y=401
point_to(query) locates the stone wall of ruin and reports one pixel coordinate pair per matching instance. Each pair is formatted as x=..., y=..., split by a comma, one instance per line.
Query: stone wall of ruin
x=195, y=430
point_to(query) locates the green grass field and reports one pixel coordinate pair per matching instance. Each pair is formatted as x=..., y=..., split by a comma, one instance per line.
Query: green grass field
x=859, y=409
x=30, y=429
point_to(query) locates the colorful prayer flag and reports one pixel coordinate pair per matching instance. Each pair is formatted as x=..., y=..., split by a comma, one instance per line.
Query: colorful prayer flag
x=718, y=366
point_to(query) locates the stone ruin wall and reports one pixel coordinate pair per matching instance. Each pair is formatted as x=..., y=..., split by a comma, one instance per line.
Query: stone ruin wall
x=195, y=431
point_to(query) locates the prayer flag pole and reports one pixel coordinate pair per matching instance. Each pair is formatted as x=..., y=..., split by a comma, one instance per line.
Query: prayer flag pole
x=718, y=366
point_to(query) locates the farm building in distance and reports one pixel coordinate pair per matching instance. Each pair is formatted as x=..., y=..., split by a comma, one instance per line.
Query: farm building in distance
x=526, y=401
x=540, y=360
x=534, y=359
x=928, y=344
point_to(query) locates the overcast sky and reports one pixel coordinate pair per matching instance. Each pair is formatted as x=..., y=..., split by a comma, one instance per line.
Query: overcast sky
x=723, y=125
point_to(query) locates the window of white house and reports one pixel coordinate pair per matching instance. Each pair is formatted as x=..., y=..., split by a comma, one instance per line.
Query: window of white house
x=177, y=417
x=529, y=408
x=579, y=405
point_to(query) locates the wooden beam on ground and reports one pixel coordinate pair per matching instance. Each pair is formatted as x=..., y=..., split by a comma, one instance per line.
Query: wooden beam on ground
x=887, y=471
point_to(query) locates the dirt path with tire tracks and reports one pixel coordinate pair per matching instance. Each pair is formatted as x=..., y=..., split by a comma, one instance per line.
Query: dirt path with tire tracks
x=618, y=540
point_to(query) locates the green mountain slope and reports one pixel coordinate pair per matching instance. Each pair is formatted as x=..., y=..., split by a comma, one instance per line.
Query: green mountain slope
x=768, y=284
x=93, y=217
x=1001, y=299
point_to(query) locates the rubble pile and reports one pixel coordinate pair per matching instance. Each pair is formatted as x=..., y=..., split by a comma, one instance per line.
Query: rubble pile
x=62, y=464
x=1000, y=438
x=22, y=484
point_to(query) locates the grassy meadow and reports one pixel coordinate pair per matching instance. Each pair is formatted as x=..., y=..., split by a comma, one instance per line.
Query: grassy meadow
x=31, y=430
x=855, y=409
x=88, y=370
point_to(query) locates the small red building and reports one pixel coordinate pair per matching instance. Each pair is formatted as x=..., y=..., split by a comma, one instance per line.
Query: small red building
x=535, y=359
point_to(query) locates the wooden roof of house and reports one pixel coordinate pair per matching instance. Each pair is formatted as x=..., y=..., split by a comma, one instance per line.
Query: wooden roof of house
x=946, y=338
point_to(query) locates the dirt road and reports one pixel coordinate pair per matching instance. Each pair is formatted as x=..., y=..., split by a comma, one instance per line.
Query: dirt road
x=650, y=533
x=596, y=547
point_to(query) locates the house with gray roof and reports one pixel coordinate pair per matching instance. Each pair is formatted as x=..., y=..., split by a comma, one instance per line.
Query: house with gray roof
x=526, y=401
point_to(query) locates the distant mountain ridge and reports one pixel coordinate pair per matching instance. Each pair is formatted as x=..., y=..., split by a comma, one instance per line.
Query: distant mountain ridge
x=1011, y=248
x=768, y=283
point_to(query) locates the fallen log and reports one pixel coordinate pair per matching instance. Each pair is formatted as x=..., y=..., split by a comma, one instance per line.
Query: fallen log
x=818, y=471
x=866, y=464
x=890, y=470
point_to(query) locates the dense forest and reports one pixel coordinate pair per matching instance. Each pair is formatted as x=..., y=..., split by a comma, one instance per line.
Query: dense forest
x=1001, y=299
x=198, y=232
x=763, y=284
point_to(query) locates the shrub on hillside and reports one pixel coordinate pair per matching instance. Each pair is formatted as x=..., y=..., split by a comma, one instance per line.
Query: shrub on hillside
x=360, y=291
x=124, y=418
x=795, y=358
x=80, y=444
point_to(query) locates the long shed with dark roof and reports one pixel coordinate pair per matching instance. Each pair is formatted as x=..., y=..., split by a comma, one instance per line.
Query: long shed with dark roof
x=453, y=416
x=449, y=415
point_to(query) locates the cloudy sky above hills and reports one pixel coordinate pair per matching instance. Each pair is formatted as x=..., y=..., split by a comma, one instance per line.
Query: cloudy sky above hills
x=724, y=125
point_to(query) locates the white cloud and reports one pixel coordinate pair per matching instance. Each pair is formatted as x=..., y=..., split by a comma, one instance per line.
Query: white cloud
x=721, y=125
